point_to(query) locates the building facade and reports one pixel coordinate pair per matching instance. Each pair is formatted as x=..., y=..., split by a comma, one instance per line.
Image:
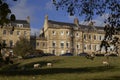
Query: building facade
x=60, y=37
x=11, y=33
x=56, y=37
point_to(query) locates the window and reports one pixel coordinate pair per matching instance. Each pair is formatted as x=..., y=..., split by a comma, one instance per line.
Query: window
x=62, y=33
x=53, y=51
x=62, y=44
x=43, y=44
x=11, y=43
x=67, y=44
x=89, y=36
x=67, y=32
x=85, y=47
x=4, y=42
x=100, y=37
x=25, y=33
x=77, y=34
x=11, y=32
x=19, y=25
x=18, y=32
x=37, y=43
x=78, y=46
x=53, y=44
x=89, y=47
x=94, y=37
x=4, y=32
x=95, y=47
x=53, y=32
x=85, y=37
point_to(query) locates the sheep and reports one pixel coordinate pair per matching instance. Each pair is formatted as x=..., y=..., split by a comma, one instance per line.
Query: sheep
x=106, y=63
x=36, y=65
x=49, y=64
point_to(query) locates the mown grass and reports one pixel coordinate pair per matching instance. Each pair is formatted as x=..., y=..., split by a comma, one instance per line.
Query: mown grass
x=64, y=68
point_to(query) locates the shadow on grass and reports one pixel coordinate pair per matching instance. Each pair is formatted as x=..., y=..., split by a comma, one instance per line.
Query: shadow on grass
x=55, y=71
x=108, y=78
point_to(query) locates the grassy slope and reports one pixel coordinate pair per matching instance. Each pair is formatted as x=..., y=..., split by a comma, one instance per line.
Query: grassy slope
x=65, y=68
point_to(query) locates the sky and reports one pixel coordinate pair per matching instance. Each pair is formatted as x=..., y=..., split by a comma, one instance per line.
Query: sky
x=37, y=9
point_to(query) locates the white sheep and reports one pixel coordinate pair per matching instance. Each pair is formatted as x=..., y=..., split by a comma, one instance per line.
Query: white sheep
x=49, y=64
x=36, y=65
x=106, y=63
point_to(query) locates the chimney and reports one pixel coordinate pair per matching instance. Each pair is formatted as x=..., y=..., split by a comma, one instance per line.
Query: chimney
x=76, y=21
x=28, y=19
x=46, y=22
x=46, y=17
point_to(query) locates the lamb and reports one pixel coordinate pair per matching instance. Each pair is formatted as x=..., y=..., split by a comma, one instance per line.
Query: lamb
x=49, y=64
x=36, y=65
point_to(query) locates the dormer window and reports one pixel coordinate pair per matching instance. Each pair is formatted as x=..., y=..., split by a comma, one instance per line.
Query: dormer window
x=19, y=25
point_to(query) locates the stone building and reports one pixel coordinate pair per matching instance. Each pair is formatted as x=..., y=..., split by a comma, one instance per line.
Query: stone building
x=10, y=33
x=61, y=37
x=56, y=37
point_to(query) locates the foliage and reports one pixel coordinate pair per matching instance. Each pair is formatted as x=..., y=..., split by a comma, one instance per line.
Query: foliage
x=5, y=12
x=2, y=45
x=23, y=47
x=91, y=8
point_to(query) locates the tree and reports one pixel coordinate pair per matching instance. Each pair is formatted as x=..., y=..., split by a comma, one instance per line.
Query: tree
x=5, y=12
x=91, y=8
x=23, y=47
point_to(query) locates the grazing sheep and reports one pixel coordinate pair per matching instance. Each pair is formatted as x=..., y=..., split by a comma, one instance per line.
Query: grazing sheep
x=36, y=65
x=106, y=63
x=49, y=64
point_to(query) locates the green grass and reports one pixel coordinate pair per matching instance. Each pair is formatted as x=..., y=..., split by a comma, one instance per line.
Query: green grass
x=64, y=68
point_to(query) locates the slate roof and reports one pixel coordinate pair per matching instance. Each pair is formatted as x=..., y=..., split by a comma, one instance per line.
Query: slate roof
x=57, y=24
x=24, y=22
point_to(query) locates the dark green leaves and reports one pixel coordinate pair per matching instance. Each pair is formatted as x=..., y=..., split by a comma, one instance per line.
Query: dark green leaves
x=5, y=12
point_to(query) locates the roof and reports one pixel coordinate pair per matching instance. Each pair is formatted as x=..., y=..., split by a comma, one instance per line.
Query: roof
x=21, y=21
x=57, y=24
x=24, y=22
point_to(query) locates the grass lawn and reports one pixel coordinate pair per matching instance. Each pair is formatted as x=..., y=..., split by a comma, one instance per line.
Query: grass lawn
x=64, y=68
